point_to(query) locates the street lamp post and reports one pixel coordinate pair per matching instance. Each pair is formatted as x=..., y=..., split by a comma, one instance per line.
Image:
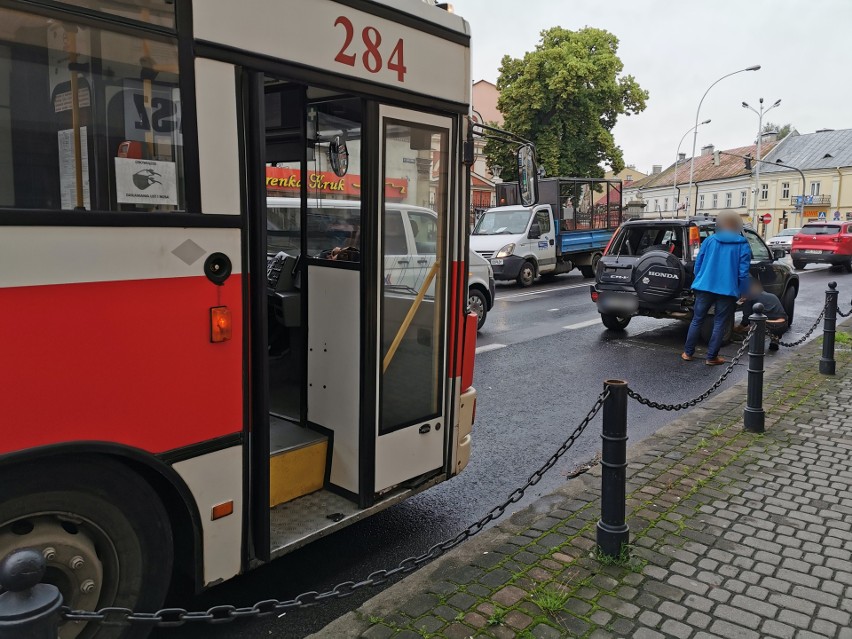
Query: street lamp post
x=677, y=158
x=755, y=67
x=760, y=113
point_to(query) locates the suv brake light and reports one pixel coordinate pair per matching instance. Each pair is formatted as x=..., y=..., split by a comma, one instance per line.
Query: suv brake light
x=694, y=241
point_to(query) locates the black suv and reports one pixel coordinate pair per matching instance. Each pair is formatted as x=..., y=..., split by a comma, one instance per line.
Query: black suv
x=647, y=269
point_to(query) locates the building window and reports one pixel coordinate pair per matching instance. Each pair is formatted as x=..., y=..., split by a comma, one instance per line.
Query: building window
x=728, y=200
x=701, y=201
x=743, y=196
x=715, y=200
x=785, y=190
x=628, y=179
x=656, y=205
x=666, y=204
x=815, y=188
x=764, y=191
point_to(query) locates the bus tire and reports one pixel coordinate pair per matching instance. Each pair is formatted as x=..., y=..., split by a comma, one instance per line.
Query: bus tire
x=526, y=276
x=100, y=517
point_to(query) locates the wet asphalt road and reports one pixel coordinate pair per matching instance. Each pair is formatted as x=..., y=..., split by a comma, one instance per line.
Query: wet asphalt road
x=542, y=357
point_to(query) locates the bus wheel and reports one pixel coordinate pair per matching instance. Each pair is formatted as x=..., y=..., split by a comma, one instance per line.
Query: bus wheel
x=103, y=531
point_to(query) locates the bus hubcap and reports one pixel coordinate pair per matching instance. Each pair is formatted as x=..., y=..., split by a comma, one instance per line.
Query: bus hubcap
x=72, y=560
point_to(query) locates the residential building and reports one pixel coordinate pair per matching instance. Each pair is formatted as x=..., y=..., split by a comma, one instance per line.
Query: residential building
x=627, y=175
x=825, y=158
x=726, y=186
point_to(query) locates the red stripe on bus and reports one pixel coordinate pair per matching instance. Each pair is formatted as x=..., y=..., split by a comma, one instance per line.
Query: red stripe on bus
x=456, y=334
x=129, y=362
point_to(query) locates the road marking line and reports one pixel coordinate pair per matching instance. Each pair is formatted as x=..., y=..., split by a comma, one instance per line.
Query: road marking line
x=542, y=292
x=489, y=347
x=586, y=324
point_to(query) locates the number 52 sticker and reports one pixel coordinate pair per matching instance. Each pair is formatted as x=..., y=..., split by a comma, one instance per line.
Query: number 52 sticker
x=371, y=57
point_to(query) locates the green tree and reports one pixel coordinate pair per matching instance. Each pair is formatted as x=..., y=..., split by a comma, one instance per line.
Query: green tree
x=566, y=96
x=783, y=129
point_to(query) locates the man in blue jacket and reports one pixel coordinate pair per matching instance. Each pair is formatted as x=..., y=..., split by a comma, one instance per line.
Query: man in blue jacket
x=721, y=278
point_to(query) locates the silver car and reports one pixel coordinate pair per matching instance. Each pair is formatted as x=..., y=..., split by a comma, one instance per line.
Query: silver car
x=784, y=239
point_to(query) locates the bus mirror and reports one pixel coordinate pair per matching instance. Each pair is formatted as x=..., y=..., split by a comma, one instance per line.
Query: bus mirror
x=527, y=175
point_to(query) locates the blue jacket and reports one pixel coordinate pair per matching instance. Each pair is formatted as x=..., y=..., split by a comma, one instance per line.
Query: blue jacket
x=722, y=265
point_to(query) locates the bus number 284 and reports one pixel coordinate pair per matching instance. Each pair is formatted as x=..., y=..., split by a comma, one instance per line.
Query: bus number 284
x=371, y=59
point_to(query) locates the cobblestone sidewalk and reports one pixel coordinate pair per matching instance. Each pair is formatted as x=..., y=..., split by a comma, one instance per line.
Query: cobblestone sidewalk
x=733, y=535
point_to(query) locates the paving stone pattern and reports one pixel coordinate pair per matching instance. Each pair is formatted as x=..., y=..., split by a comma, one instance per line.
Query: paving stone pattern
x=733, y=535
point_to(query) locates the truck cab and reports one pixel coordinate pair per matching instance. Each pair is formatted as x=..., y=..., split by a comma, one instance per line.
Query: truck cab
x=519, y=242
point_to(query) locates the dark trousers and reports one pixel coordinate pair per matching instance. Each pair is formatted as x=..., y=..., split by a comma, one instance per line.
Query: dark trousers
x=724, y=310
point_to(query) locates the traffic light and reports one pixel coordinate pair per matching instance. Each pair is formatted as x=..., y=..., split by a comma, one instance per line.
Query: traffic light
x=747, y=159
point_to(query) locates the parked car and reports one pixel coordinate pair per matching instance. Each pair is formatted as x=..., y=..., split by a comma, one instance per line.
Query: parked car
x=823, y=243
x=480, y=288
x=648, y=270
x=784, y=239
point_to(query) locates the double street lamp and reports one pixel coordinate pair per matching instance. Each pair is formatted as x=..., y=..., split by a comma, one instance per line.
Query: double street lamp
x=760, y=113
x=755, y=67
x=677, y=159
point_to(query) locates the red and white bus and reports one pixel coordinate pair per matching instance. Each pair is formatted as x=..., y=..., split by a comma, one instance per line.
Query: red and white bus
x=192, y=381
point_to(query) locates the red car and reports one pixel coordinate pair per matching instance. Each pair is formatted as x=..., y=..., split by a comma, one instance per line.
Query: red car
x=823, y=243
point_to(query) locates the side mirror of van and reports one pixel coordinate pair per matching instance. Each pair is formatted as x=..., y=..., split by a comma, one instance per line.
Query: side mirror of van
x=535, y=231
x=527, y=175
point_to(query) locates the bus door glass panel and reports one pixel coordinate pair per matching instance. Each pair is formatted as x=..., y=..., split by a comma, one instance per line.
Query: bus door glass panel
x=284, y=108
x=415, y=159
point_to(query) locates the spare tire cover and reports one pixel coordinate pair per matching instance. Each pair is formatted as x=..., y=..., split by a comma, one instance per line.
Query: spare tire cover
x=658, y=277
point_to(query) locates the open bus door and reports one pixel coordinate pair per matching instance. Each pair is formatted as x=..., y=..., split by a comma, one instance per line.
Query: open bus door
x=349, y=384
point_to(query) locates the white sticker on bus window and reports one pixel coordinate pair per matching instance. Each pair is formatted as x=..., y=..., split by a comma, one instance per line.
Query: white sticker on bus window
x=145, y=182
x=68, y=170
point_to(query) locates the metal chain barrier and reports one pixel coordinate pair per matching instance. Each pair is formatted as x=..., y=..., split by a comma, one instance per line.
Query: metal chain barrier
x=805, y=337
x=696, y=400
x=174, y=617
x=846, y=314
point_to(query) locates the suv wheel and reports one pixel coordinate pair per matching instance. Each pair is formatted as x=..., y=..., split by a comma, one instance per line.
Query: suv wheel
x=799, y=265
x=847, y=266
x=788, y=301
x=526, y=276
x=614, y=322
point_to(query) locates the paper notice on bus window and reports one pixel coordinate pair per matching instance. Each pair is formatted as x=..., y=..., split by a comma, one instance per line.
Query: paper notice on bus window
x=151, y=182
x=68, y=169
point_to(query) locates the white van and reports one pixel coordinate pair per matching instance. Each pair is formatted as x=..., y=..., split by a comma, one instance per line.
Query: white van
x=411, y=234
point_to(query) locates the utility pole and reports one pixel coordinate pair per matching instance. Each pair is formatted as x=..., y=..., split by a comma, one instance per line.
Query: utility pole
x=760, y=115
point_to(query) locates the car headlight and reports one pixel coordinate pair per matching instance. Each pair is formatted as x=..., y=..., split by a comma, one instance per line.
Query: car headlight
x=506, y=251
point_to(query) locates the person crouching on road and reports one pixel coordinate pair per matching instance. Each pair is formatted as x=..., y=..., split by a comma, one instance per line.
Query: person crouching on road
x=777, y=321
x=721, y=278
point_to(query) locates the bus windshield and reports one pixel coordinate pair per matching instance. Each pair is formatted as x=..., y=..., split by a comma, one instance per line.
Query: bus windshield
x=502, y=222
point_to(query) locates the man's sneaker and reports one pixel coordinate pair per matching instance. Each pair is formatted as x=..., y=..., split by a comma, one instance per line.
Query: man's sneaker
x=773, y=346
x=715, y=361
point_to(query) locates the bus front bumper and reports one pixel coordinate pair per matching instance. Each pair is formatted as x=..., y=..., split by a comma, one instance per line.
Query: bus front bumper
x=467, y=413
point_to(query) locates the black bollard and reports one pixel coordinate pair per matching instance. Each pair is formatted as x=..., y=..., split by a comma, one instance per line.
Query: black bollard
x=29, y=609
x=612, y=531
x=754, y=416
x=826, y=362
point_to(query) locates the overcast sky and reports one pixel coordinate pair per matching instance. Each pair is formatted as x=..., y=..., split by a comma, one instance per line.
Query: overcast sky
x=677, y=48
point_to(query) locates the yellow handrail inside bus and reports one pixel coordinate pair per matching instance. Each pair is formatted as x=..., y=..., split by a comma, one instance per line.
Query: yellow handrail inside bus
x=409, y=317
